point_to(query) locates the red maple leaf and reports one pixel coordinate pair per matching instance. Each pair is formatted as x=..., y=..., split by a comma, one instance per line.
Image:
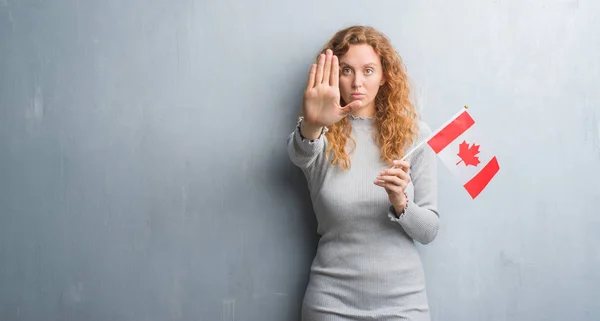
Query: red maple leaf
x=467, y=154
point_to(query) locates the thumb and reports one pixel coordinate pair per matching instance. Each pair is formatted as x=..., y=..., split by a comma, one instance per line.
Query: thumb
x=352, y=106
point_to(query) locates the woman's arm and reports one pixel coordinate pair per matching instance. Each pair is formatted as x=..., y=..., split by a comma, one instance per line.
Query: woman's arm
x=420, y=219
x=321, y=107
x=306, y=143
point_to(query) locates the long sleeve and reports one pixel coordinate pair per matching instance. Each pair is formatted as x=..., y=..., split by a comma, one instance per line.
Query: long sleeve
x=304, y=152
x=421, y=218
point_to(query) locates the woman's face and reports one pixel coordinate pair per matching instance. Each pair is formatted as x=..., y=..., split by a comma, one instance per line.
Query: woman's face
x=361, y=75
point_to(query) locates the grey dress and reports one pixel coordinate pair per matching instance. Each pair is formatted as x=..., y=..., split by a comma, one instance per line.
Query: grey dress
x=366, y=266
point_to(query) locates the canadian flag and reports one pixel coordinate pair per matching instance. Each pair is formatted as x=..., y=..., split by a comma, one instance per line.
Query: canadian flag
x=460, y=147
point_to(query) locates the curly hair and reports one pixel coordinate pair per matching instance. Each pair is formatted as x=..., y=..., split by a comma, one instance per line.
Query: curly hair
x=395, y=116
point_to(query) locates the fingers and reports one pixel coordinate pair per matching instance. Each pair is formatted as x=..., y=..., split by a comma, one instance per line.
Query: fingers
x=335, y=72
x=391, y=183
x=327, y=68
x=400, y=171
x=320, y=66
x=311, y=76
x=401, y=179
x=404, y=165
x=394, y=180
x=326, y=71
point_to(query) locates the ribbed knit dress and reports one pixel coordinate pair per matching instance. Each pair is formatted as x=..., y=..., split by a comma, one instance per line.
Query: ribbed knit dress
x=366, y=266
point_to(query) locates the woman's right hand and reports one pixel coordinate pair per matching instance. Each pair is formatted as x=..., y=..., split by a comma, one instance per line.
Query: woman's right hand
x=321, y=105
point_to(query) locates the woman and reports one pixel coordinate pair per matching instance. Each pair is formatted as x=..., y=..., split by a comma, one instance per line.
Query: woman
x=357, y=123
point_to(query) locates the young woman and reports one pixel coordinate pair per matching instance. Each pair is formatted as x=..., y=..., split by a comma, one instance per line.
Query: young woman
x=356, y=124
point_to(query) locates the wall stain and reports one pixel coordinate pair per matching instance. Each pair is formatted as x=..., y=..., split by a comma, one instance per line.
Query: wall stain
x=596, y=129
x=228, y=310
x=35, y=112
x=591, y=126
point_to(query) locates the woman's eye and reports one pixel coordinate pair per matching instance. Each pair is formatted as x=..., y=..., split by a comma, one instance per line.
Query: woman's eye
x=370, y=71
x=346, y=71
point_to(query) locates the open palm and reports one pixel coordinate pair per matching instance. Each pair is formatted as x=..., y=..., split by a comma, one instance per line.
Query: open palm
x=321, y=105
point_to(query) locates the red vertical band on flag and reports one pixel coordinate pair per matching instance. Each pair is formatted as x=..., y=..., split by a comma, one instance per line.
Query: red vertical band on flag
x=449, y=133
x=480, y=181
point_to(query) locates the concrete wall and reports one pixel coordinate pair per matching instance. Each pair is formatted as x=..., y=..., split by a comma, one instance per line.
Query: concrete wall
x=143, y=172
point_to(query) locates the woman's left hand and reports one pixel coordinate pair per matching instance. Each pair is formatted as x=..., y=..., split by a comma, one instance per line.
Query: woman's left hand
x=395, y=180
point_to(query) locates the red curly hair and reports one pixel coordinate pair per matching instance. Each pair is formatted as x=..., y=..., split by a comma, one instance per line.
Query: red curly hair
x=395, y=116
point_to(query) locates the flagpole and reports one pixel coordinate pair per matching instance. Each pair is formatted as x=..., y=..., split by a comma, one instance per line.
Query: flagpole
x=434, y=133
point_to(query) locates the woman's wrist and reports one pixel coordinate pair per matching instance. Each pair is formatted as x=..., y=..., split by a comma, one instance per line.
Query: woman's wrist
x=310, y=131
x=400, y=209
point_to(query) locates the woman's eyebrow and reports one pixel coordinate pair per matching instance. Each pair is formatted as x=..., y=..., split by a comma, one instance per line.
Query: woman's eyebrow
x=371, y=64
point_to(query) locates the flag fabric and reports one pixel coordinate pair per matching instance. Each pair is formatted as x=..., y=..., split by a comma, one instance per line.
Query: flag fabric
x=459, y=145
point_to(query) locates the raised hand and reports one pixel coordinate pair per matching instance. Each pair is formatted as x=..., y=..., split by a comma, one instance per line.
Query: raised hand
x=321, y=105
